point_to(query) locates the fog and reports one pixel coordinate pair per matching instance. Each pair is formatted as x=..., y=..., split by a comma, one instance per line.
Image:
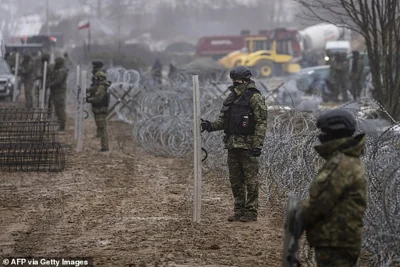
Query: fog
x=162, y=19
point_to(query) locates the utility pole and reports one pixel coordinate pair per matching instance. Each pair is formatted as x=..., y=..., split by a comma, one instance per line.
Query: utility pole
x=47, y=18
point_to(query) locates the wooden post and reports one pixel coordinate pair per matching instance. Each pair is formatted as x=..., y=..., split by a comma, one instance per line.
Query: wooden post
x=82, y=95
x=77, y=106
x=16, y=85
x=197, y=151
x=42, y=94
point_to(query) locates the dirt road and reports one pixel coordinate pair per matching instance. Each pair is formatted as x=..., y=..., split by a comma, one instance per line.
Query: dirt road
x=129, y=211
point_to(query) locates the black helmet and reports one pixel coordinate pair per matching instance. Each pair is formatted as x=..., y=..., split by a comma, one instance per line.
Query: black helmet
x=337, y=120
x=97, y=64
x=240, y=72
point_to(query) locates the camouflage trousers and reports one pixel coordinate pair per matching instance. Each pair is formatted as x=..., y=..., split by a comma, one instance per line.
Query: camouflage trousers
x=101, y=122
x=57, y=99
x=28, y=94
x=341, y=86
x=243, y=172
x=336, y=257
x=356, y=88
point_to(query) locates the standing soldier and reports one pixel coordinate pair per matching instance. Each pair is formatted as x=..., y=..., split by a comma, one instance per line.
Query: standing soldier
x=27, y=76
x=342, y=78
x=11, y=60
x=58, y=90
x=156, y=72
x=99, y=98
x=331, y=80
x=243, y=118
x=333, y=214
x=357, y=69
x=96, y=66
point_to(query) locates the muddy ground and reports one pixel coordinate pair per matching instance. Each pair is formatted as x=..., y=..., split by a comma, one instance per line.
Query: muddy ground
x=131, y=209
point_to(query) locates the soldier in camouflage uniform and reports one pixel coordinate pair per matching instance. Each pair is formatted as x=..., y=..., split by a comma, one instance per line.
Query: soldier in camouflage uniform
x=96, y=66
x=27, y=76
x=58, y=90
x=244, y=120
x=98, y=97
x=333, y=214
x=341, y=67
x=356, y=73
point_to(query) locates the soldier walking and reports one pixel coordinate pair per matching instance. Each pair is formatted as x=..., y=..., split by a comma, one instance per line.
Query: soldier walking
x=333, y=214
x=243, y=118
x=99, y=98
x=356, y=73
x=58, y=90
x=27, y=76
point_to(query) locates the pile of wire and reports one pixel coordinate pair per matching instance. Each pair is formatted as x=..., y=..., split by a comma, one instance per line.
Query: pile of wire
x=28, y=142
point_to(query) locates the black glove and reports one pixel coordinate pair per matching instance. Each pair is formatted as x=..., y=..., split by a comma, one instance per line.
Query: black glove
x=256, y=152
x=206, y=126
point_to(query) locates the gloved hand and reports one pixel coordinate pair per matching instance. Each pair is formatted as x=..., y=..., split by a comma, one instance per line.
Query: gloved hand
x=206, y=125
x=256, y=152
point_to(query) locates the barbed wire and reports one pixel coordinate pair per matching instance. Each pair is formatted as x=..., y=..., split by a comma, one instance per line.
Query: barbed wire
x=161, y=116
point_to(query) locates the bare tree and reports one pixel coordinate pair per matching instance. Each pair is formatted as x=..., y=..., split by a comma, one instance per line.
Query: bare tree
x=378, y=21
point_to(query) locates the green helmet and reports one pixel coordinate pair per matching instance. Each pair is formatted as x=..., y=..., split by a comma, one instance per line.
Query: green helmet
x=59, y=61
x=45, y=57
x=101, y=76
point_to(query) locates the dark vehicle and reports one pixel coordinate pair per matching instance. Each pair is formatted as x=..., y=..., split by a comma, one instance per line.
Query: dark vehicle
x=23, y=48
x=47, y=41
x=7, y=81
x=306, y=77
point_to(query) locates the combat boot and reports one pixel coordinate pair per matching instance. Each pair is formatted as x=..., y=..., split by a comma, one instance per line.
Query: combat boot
x=235, y=217
x=248, y=217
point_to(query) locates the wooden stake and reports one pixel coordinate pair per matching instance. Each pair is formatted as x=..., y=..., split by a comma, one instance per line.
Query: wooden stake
x=197, y=151
x=82, y=95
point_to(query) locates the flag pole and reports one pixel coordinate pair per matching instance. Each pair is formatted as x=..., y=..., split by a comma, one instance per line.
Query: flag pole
x=89, y=37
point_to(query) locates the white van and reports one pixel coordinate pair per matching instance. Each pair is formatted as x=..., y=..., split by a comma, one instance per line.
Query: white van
x=337, y=47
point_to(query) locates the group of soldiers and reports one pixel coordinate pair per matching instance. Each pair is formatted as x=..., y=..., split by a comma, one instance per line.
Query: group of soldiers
x=332, y=215
x=343, y=77
x=31, y=70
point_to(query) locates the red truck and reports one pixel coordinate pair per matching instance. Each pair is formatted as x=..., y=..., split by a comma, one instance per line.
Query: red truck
x=219, y=46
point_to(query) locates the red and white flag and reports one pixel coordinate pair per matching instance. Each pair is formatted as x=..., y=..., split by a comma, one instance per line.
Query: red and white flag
x=84, y=24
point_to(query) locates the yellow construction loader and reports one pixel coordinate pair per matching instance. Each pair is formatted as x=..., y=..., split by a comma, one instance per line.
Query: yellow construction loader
x=270, y=62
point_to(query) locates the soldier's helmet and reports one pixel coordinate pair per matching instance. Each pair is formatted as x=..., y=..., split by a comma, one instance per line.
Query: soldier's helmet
x=59, y=61
x=240, y=73
x=101, y=76
x=337, y=120
x=45, y=57
x=97, y=64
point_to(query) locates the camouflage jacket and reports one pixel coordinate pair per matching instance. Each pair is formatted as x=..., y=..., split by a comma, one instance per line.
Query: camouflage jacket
x=58, y=79
x=333, y=213
x=96, y=94
x=26, y=70
x=257, y=104
x=341, y=68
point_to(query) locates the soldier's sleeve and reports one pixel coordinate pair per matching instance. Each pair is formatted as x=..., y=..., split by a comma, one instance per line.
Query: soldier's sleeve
x=260, y=113
x=59, y=79
x=218, y=124
x=98, y=96
x=325, y=191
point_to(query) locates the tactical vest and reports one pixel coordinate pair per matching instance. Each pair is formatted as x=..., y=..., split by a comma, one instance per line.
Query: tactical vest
x=238, y=115
x=105, y=102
